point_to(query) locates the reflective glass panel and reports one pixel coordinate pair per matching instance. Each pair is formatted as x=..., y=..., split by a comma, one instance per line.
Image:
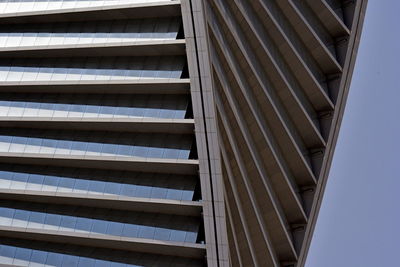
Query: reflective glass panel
x=34, y=254
x=13, y=6
x=99, y=221
x=99, y=143
x=89, y=32
x=91, y=68
x=94, y=106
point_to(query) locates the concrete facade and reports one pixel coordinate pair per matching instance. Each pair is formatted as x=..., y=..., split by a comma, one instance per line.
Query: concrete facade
x=169, y=133
x=281, y=73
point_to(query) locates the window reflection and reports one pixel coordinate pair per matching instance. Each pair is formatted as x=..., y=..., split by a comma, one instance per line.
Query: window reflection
x=99, y=221
x=26, y=253
x=94, y=106
x=97, y=182
x=12, y=6
x=89, y=32
x=91, y=68
x=96, y=143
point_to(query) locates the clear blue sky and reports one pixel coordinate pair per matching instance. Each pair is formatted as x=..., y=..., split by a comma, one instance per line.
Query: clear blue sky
x=359, y=222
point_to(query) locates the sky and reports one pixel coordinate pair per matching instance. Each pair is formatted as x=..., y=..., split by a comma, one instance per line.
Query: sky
x=359, y=221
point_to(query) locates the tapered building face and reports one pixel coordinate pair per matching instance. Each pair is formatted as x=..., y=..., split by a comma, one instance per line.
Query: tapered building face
x=168, y=133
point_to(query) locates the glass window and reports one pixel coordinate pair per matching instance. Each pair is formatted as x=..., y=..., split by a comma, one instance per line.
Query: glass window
x=22, y=256
x=52, y=221
x=39, y=256
x=6, y=216
x=7, y=254
x=147, y=232
x=143, y=191
x=129, y=190
x=70, y=261
x=67, y=223
x=50, y=183
x=54, y=259
x=33, y=257
x=35, y=182
x=66, y=185
x=18, y=144
x=86, y=181
x=19, y=181
x=92, y=69
x=83, y=224
x=86, y=262
x=102, y=263
x=36, y=220
x=130, y=230
x=115, y=229
x=162, y=234
x=97, y=186
x=113, y=188
x=20, y=218
x=99, y=226
x=155, y=106
x=81, y=186
x=177, y=236
x=142, y=225
x=158, y=192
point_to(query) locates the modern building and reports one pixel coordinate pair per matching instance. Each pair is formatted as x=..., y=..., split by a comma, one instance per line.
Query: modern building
x=169, y=133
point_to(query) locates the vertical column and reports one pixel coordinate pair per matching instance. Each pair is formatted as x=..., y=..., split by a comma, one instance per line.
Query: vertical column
x=206, y=132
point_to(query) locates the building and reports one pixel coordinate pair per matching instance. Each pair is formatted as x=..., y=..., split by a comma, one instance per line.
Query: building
x=169, y=133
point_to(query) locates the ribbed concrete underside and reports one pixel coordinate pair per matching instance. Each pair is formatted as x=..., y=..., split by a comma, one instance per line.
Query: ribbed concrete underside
x=281, y=71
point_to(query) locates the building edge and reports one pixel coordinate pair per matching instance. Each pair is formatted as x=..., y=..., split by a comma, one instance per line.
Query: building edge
x=348, y=69
x=204, y=112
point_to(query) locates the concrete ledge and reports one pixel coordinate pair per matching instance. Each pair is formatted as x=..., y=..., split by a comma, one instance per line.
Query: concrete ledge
x=165, y=206
x=139, y=86
x=136, y=48
x=180, y=249
x=138, y=125
x=127, y=11
x=174, y=166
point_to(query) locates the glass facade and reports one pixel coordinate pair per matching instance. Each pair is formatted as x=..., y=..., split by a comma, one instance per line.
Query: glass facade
x=16, y=252
x=91, y=143
x=94, y=106
x=91, y=68
x=31, y=257
x=99, y=221
x=97, y=182
x=45, y=177
x=15, y=6
x=89, y=32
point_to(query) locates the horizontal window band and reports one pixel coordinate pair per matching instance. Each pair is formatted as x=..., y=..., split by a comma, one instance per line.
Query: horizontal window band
x=140, y=125
x=91, y=68
x=162, y=206
x=40, y=5
x=156, y=9
x=123, y=48
x=144, y=86
x=89, y=32
x=166, y=166
x=77, y=148
x=61, y=105
x=87, y=220
x=97, y=182
x=26, y=252
x=188, y=250
x=97, y=143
